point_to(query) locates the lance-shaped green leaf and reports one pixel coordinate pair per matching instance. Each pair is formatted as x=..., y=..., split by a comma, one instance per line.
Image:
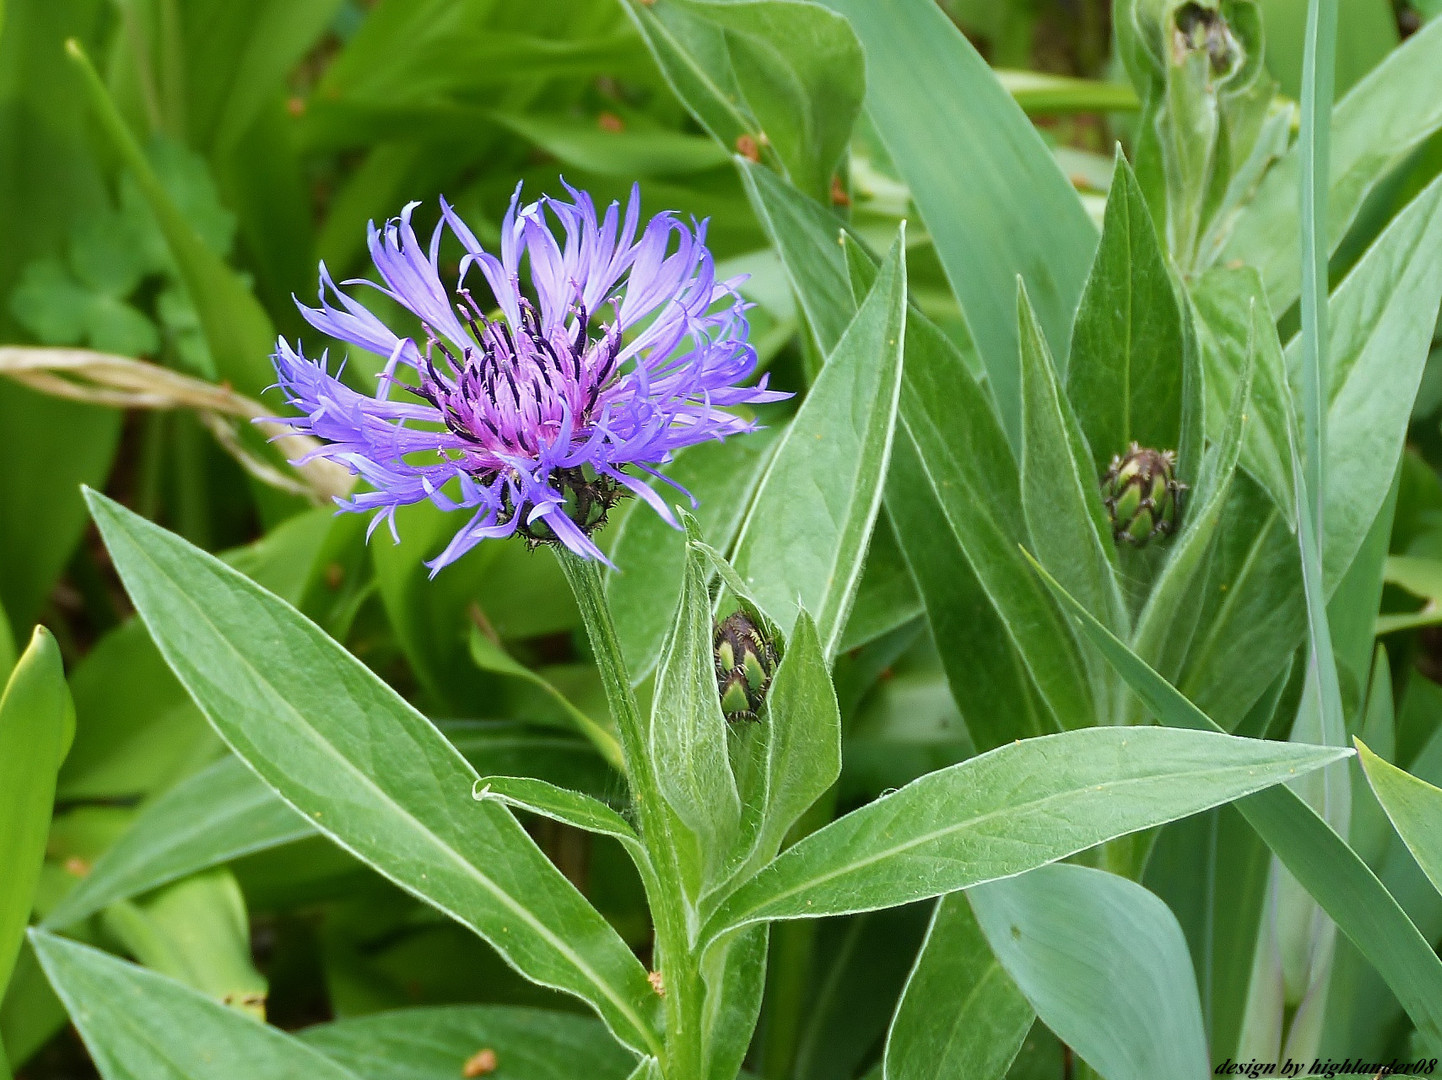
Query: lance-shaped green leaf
x=439, y=1041
x=1414, y=806
x=1375, y=127
x=138, y=1025
x=960, y=1014
x=805, y=538
x=993, y=199
x=37, y=723
x=1382, y=319
x=788, y=76
x=371, y=772
x=799, y=746
x=566, y=806
x=1059, y=496
x=1072, y=936
x=1125, y=375
x=954, y=497
x=221, y=813
x=1007, y=811
x=1168, y=620
x=687, y=730
x=1317, y=857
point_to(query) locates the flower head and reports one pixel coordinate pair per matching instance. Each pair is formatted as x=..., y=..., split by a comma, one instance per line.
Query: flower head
x=526, y=407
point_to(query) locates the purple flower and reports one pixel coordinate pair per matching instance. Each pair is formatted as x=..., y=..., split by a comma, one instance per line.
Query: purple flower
x=528, y=413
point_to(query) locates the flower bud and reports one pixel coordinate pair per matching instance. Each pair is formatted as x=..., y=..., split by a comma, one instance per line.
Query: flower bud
x=745, y=662
x=1143, y=497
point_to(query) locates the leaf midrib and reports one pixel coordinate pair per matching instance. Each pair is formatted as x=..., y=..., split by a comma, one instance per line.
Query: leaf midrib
x=971, y=822
x=468, y=868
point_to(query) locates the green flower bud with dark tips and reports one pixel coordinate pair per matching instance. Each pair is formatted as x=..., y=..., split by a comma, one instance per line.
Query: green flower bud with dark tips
x=1142, y=494
x=745, y=662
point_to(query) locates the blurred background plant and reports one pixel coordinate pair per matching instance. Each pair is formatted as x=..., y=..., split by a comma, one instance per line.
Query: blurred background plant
x=164, y=199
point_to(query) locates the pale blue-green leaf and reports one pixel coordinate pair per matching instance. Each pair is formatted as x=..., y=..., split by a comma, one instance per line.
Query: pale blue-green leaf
x=197, y=931
x=687, y=731
x=960, y=1014
x=1072, y=936
x=1382, y=317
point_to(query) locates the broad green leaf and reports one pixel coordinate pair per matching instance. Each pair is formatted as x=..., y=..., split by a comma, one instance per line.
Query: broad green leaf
x=734, y=974
x=219, y=814
x=687, y=730
x=237, y=329
x=993, y=199
x=197, y=931
x=1316, y=856
x=371, y=772
x=1010, y=810
x=138, y=1025
x=650, y=555
x=437, y=1043
x=1414, y=806
x=1059, y=494
x=788, y=76
x=804, y=541
x=1376, y=127
x=1125, y=375
x=961, y=1014
x=954, y=498
x=37, y=723
x=1071, y=937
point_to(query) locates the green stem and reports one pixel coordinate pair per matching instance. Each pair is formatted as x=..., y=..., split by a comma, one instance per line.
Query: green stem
x=676, y=958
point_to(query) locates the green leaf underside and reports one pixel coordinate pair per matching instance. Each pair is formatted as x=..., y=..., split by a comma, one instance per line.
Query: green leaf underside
x=1072, y=936
x=344, y=749
x=960, y=1014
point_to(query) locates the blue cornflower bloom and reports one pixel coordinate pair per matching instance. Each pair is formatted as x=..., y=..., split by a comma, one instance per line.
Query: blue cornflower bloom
x=529, y=411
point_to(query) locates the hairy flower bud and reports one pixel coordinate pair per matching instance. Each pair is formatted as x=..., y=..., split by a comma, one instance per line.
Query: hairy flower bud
x=745, y=662
x=1142, y=494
